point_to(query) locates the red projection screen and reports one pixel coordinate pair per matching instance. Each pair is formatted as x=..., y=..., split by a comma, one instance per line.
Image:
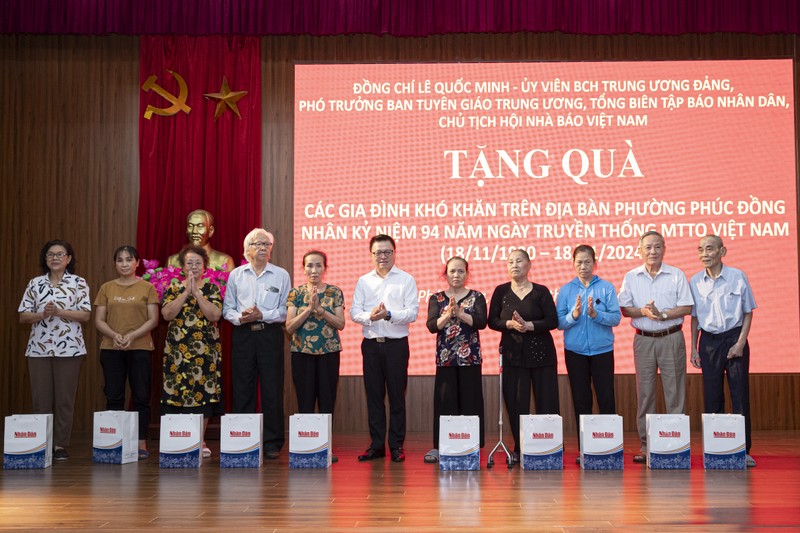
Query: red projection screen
x=477, y=159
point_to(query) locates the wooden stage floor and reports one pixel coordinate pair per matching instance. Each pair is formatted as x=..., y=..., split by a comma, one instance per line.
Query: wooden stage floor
x=77, y=495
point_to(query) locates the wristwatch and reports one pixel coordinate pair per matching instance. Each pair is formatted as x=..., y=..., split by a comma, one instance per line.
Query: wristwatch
x=388, y=316
x=664, y=315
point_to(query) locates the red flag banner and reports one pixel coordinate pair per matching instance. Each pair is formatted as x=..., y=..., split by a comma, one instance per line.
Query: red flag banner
x=188, y=158
x=199, y=148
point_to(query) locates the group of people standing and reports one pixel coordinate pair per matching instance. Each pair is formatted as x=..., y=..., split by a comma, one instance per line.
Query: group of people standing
x=260, y=304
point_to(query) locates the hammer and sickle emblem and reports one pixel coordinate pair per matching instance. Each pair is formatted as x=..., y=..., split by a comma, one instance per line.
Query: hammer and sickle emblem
x=178, y=103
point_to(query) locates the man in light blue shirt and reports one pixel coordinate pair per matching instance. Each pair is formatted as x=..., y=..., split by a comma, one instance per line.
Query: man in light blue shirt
x=721, y=318
x=656, y=297
x=255, y=303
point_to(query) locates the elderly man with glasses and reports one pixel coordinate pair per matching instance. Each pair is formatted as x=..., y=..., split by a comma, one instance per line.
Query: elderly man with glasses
x=255, y=303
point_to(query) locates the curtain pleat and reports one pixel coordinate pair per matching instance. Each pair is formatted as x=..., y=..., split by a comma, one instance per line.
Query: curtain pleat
x=400, y=18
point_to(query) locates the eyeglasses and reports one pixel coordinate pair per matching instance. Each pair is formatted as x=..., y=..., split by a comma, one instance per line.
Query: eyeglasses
x=193, y=264
x=261, y=244
x=383, y=253
x=56, y=255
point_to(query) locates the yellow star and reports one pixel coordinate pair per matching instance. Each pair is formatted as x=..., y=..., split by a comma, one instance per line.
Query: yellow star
x=226, y=97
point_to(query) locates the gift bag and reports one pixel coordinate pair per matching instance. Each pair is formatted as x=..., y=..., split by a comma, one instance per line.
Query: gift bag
x=668, y=445
x=240, y=440
x=542, y=442
x=723, y=442
x=459, y=443
x=28, y=441
x=601, y=442
x=115, y=437
x=181, y=441
x=310, y=441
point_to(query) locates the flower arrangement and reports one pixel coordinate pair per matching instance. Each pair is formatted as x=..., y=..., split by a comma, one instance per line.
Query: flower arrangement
x=163, y=277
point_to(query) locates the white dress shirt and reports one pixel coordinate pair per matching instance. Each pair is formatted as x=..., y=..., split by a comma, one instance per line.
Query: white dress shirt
x=668, y=289
x=397, y=291
x=720, y=304
x=268, y=291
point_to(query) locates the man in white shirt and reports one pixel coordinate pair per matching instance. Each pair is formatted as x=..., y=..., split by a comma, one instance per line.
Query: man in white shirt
x=721, y=318
x=385, y=302
x=656, y=297
x=255, y=303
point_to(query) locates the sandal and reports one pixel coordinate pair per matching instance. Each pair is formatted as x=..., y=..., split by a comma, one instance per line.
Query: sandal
x=432, y=456
x=206, y=451
x=143, y=454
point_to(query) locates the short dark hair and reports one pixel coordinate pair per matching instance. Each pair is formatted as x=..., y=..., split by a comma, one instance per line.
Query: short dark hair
x=523, y=251
x=126, y=248
x=380, y=237
x=454, y=258
x=315, y=252
x=193, y=249
x=583, y=248
x=57, y=242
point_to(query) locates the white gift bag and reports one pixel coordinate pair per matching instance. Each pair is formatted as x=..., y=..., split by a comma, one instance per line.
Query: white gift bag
x=601, y=442
x=28, y=441
x=181, y=441
x=724, y=442
x=668, y=444
x=240, y=440
x=459, y=443
x=115, y=437
x=542, y=442
x=310, y=441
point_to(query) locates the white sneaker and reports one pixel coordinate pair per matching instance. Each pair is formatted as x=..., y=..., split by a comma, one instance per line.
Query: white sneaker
x=206, y=451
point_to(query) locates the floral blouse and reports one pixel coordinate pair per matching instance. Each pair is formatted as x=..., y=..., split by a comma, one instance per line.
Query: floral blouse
x=316, y=336
x=458, y=344
x=56, y=336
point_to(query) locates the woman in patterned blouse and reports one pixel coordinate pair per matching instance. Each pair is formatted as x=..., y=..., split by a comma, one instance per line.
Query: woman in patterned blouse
x=456, y=315
x=55, y=304
x=314, y=317
x=192, y=353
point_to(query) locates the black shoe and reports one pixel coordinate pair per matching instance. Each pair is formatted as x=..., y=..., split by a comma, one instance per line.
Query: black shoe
x=334, y=459
x=60, y=454
x=371, y=454
x=639, y=458
x=398, y=455
x=271, y=454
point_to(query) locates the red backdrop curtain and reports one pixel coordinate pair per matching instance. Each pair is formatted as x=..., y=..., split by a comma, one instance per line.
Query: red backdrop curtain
x=192, y=161
x=401, y=18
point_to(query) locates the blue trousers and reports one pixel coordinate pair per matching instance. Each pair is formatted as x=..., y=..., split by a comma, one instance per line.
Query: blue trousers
x=713, y=349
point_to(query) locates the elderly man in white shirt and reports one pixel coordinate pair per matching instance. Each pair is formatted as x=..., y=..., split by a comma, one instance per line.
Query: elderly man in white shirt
x=656, y=297
x=385, y=302
x=255, y=303
x=721, y=320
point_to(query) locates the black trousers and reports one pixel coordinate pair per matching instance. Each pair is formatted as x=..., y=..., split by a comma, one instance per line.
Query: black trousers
x=132, y=366
x=257, y=359
x=386, y=372
x=458, y=391
x=714, y=362
x=517, y=382
x=316, y=378
x=585, y=371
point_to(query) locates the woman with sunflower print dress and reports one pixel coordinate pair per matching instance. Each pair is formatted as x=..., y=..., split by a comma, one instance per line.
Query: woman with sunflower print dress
x=192, y=379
